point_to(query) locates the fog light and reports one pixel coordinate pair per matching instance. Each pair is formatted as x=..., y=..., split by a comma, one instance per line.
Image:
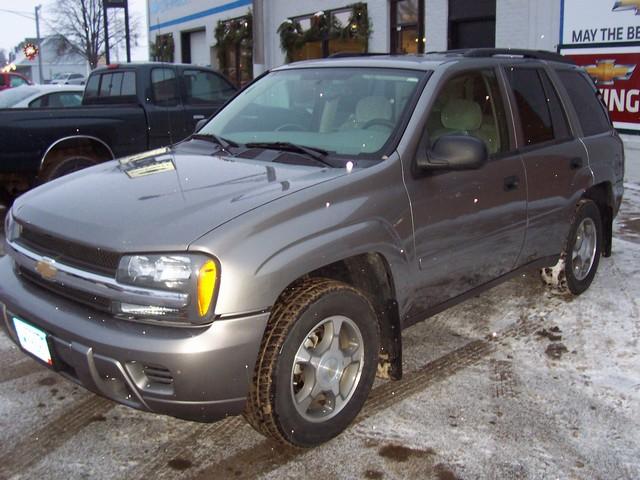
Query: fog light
x=206, y=284
x=153, y=310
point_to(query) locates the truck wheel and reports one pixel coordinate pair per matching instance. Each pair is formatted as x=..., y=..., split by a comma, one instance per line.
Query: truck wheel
x=64, y=167
x=579, y=262
x=316, y=365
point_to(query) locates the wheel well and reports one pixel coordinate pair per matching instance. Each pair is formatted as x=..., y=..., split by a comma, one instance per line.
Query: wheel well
x=370, y=273
x=602, y=195
x=82, y=146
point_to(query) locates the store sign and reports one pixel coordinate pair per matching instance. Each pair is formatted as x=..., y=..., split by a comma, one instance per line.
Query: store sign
x=602, y=22
x=617, y=76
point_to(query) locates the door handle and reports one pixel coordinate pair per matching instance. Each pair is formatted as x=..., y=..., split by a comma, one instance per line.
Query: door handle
x=576, y=163
x=198, y=117
x=511, y=183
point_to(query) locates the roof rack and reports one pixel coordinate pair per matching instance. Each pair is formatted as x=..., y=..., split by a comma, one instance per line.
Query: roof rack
x=356, y=54
x=515, y=52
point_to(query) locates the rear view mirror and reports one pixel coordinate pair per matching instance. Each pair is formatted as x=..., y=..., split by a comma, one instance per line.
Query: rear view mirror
x=455, y=152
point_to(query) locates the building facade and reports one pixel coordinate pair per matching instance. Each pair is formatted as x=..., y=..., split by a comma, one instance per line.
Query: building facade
x=189, y=31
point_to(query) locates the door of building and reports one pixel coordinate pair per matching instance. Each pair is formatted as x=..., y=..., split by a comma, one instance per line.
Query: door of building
x=472, y=24
x=407, y=26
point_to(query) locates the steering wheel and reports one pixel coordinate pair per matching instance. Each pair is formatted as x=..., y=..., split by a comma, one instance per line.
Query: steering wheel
x=290, y=126
x=379, y=121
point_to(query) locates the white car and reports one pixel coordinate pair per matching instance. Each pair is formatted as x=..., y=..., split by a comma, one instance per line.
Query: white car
x=42, y=96
x=68, y=78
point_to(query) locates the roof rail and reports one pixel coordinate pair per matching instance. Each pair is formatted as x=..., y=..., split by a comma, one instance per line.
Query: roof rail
x=516, y=52
x=356, y=54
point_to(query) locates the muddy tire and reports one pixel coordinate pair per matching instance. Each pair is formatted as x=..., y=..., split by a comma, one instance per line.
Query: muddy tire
x=579, y=261
x=316, y=365
x=64, y=167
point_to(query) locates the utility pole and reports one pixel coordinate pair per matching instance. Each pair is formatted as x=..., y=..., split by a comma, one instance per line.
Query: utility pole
x=38, y=7
x=126, y=30
x=106, y=35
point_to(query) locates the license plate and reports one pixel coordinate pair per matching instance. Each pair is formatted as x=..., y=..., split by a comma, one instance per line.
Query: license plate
x=33, y=340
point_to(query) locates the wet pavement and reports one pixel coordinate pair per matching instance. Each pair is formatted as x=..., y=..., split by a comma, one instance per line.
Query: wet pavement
x=515, y=383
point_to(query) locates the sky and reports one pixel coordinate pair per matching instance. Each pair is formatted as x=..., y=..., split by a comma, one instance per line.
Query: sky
x=14, y=27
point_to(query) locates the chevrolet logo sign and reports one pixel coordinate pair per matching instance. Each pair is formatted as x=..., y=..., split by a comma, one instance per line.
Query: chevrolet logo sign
x=621, y=5
x=46, y=268
x=605, y=72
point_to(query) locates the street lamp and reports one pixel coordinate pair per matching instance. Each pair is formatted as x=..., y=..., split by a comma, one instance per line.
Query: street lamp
x=38, y=7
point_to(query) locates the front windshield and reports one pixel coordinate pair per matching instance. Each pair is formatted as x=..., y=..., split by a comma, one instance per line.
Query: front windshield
x=345, y=111
x=10, y=97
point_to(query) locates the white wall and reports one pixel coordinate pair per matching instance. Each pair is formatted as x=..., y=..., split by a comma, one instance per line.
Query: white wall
x=528, y=24
x=436, y=24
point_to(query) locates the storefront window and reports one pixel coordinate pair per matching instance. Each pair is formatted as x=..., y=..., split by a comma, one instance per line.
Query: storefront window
x=407, y=26
x=235, y=50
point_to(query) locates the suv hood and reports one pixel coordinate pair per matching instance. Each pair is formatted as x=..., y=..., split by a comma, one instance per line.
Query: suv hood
x=159, y=201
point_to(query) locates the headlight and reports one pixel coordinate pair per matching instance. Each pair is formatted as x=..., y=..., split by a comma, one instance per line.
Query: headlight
x=194, y=274
x=12, y=228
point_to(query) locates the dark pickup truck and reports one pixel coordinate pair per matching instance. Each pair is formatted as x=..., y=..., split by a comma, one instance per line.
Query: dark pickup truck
x=126, y=109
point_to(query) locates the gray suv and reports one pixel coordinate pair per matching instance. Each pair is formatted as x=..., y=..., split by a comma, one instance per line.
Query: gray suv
x=267, y=265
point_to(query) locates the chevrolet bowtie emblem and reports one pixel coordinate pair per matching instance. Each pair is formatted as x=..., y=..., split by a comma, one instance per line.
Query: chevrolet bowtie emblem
x=46, y=268
x=605, y=72
x=621, y=5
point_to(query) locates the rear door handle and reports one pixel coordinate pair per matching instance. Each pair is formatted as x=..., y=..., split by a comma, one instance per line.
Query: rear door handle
x=576, y=163
x=511, y=183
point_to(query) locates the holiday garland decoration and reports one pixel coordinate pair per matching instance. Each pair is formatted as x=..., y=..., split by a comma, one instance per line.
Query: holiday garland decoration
x=325, y=27
x=163, y=48
x=30, y=51
x=231, y=33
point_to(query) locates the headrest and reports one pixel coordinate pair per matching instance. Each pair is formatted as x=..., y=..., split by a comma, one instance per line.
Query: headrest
x=459, y=114
x=372, y=107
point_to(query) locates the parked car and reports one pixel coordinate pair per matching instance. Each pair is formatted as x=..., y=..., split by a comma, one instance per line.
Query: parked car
x=68, y=78
x=12, y=80
x=267, y=265
x=126, y=109
x=42, y=96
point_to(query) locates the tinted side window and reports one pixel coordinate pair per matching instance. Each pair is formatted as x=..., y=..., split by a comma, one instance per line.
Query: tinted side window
x=1, y=80
x=91, y=90
x=65, y=99
x=470, y=104
x=531, y=101
x=39, y=102
x=16, y=81
x=163, y=86
x=584, y=97
x=558, y=115
x=206, y=87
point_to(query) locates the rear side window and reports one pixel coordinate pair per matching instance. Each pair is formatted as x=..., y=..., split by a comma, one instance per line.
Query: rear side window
x=1, y=80
x=109, y=86
x=584, y=97
x=206, y=87
x=163, y=86
x=532, y=104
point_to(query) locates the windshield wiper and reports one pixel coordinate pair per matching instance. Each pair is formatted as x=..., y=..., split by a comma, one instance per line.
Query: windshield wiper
x=315, y=153
x=212, y=137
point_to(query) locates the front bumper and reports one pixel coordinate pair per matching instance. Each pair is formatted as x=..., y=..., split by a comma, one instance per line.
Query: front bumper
x=195, y=373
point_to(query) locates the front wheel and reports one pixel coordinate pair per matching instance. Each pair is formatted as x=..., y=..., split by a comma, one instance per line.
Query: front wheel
x=317, y=363
x=577, y=268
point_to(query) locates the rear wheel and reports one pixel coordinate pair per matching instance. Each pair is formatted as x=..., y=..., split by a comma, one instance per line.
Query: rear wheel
x=579, y=262
x=317, y=363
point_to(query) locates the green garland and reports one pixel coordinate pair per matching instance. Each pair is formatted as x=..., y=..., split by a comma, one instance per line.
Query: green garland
x=231, y=33
x=292, y=37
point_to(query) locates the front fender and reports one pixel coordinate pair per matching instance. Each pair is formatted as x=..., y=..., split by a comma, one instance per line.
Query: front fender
x=265, y=250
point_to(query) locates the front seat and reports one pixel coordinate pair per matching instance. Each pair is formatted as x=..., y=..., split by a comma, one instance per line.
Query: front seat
x=374, y=107
x=464, y=117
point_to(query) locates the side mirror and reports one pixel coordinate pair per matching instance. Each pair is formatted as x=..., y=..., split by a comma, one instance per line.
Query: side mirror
x=200, y=124
x=455, y=152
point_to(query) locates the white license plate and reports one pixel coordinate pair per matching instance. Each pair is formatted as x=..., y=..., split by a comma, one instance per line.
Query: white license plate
x=33, y=340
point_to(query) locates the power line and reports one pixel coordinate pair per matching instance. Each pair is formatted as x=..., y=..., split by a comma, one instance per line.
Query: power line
x=28, y=15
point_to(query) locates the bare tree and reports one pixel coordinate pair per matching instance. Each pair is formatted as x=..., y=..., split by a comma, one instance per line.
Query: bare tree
x=80, y=25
